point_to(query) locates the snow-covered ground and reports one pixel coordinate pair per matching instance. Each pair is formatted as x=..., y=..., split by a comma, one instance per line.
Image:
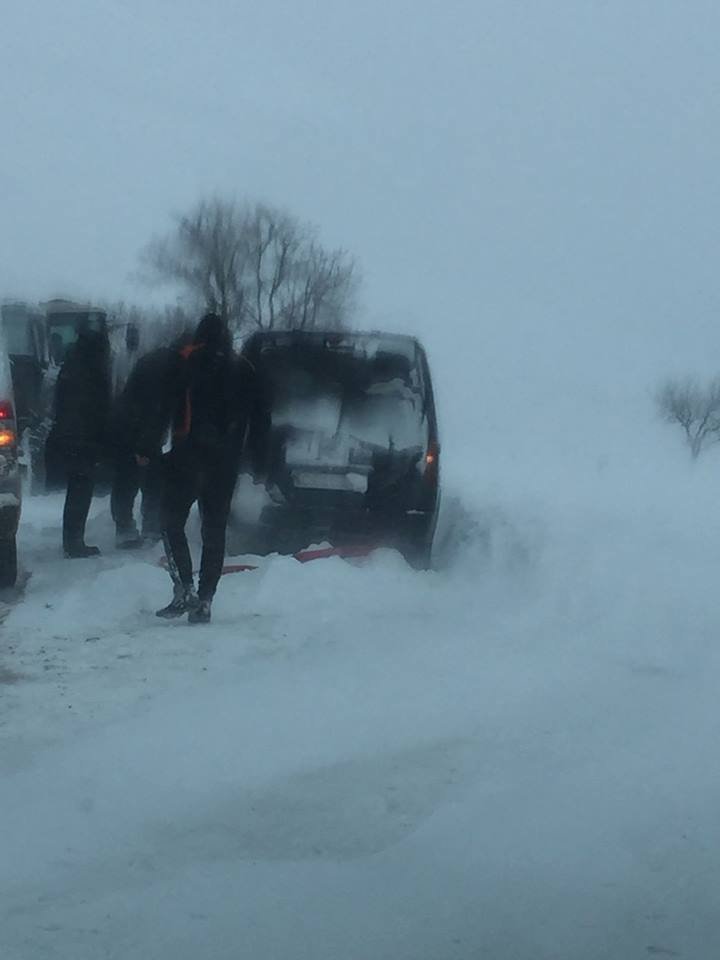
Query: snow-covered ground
x=511, y=757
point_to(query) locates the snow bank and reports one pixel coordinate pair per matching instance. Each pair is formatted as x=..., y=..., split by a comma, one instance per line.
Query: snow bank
x=509, y=756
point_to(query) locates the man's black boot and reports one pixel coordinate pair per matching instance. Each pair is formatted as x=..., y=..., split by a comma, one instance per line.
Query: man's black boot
x=184, y=600
x=128, y=538
x=77, y=550
x=201, y=613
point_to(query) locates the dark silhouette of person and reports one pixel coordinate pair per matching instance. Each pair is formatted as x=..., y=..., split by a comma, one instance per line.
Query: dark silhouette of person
x=77, y=437
x=141, y=419
x=217, y=394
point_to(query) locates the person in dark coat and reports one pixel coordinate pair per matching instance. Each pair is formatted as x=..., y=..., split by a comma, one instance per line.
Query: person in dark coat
x=140, y=423
x=76, y=441
x=218, y=395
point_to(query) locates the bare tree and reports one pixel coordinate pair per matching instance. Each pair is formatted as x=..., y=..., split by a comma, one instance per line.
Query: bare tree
x=258, y=266
x=325, y=283
x=206, y=254
x=695, y=408
x=275, y=241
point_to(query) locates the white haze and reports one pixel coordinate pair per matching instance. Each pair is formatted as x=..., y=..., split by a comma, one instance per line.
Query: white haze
x=509, y=757
x=531, y=186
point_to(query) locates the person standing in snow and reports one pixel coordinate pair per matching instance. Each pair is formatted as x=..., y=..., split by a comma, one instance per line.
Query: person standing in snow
x=77, y=437
x=217, y=397
x=140, y=423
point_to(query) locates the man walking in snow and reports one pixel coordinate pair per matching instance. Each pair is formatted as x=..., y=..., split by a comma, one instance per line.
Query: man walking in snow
x=217, y=396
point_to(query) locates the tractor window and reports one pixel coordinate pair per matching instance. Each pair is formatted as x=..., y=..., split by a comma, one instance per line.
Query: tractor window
x=18, y=336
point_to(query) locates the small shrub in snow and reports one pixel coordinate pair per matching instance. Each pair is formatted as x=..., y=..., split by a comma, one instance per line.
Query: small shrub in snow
x=695, y=408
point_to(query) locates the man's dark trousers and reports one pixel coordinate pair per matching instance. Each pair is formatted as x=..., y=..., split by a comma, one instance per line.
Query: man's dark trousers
x=130, y=478
x=211, y=484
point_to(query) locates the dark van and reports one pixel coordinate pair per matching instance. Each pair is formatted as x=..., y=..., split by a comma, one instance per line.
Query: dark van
x=352, y=452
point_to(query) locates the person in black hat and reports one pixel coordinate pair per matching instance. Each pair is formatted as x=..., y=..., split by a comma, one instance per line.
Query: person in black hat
x=218, y=394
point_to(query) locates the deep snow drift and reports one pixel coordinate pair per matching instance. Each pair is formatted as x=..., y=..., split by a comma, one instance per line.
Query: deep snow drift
x=509, y=757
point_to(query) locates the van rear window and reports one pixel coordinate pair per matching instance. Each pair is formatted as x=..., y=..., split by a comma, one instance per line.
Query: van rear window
x=374, y=399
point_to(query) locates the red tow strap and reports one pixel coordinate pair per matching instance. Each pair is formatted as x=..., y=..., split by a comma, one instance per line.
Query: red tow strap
x=304, y=556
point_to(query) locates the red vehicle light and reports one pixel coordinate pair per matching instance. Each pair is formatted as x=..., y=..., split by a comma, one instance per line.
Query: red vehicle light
x=6, y=410
x=432, y=462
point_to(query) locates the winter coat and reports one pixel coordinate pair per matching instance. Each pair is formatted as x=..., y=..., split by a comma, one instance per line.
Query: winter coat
x=82, y=406
x=219, y=398
x=144, y=409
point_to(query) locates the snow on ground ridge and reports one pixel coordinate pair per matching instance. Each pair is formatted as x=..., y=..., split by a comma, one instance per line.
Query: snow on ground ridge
x=526, y=725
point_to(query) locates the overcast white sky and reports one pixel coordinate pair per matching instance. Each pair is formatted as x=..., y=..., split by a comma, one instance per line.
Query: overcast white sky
x=540, y=176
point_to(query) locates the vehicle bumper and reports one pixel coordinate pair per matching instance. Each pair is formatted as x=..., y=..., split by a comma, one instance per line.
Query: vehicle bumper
x=10, y=507
x=286, y=530
x=9, y=518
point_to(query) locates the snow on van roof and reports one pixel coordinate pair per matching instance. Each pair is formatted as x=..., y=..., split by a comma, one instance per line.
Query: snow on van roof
x=367, y=343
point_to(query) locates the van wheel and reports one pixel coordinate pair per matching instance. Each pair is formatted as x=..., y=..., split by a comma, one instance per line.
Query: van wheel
x=419, y=555
x=8, y=563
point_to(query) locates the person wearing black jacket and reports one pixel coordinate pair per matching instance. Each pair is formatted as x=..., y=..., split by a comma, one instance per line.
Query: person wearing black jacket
x=141, y=418
x=217, y=397
x=76, y=440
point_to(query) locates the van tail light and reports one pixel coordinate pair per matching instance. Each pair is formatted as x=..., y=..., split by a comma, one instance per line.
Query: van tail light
x=8, y=436
x=432, y=462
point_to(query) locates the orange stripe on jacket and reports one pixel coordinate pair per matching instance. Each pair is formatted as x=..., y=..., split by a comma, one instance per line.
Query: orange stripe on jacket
x=184, y=430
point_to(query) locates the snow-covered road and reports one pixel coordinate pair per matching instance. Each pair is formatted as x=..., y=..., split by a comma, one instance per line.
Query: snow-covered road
x=511, y=757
